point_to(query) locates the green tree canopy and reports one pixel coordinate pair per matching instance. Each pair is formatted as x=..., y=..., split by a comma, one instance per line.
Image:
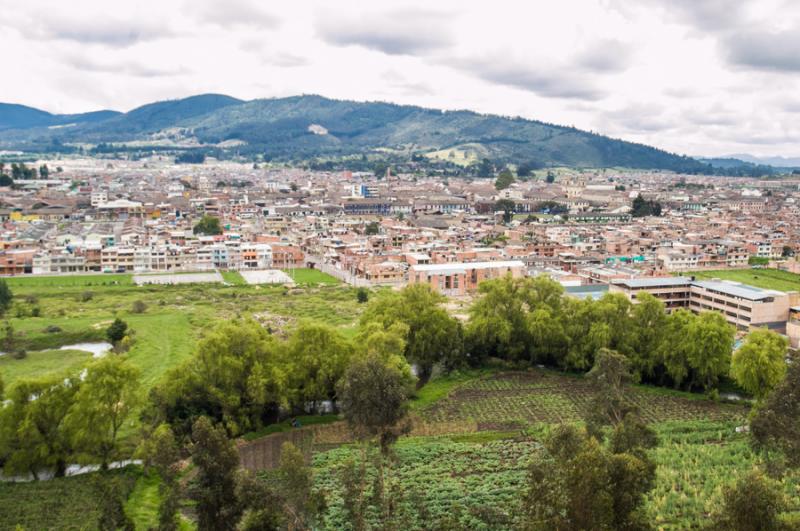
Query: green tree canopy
x=208, y=225
x=374, y=399
x=504, y=179
x=34, y=434
x=107, y=396
x=116, y=331
x=432, y=336
x=752, y=504
x=760, y=363
x=319, y=356
x=237, y=376
x=774, y=427
x=576, y=483
x=214, y=488
x=6, y=296
x=710, y=340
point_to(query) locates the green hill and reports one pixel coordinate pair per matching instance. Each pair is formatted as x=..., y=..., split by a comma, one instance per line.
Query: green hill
x=313, y=126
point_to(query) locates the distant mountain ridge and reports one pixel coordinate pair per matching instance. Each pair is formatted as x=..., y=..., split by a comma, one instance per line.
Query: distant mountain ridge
x=14, y=116
x=310, y=126
x=778, y=162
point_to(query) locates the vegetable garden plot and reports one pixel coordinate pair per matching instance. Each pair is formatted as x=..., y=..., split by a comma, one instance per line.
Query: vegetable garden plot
x=543, y=396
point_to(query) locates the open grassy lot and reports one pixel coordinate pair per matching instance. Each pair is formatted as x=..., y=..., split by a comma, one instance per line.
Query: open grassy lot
x=165, y=333
x=167, y=330
x=761, y=278
x=69, y=281
x=311, y=276
x=233, y=277
x=43, y=363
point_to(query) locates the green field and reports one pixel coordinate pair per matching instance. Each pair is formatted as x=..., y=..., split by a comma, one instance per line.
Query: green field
x=69, y=281
x=472, y=477
x=761, y=278
x=167, y=331
x=43, y=363
x=66, y=503
x=311, y=276
x=233, y=277
x=476, y=477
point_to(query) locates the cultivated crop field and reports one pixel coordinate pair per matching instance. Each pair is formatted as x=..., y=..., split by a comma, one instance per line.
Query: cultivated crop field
x=761, y=278
x=65, y=503
x=523, y=398
x=475, y=478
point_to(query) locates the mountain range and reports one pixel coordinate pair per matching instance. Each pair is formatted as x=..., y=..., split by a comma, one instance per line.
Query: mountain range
x=310, y=126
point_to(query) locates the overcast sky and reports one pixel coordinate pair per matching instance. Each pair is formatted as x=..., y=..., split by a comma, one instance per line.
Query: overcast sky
x=702, y=77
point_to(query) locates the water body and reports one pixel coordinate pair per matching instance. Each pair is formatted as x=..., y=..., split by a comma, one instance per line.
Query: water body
x=98, y=350
x=72, y=470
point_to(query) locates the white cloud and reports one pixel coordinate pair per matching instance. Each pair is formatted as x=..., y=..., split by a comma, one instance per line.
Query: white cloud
x=702, y=77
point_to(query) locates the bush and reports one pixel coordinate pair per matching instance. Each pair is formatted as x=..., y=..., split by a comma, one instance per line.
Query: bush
x=36, y=311
x=117, y=331
x=52, y=329
x=138, y=307
x=362, y=295
x=86, y=296
x=20, y=354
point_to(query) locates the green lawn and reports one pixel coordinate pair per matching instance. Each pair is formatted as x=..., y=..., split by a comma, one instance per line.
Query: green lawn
x=761, y=278
x=44, y=363
x=233, y=277
x=438, y=388
x=310, y=276
x=69, y=281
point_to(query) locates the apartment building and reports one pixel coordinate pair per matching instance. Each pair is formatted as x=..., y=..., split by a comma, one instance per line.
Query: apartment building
x=460, y=278
x=674, y=292
x=743, y=306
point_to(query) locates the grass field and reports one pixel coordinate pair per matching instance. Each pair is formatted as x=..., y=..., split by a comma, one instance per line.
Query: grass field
x=761, y=278
x=233, y=277
x=311, y=276
x=79, y=309
x=43, y=363
x=69, y=281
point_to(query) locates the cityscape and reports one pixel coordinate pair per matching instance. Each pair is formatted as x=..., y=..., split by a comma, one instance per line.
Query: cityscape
x=416, y=274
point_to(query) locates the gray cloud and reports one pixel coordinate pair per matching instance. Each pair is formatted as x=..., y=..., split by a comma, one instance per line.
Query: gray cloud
x=764, y=51
x=705, y=15
x=131, y=68
x=640, y=118
x=395, y=80
x=398, y=32
x=107, y=31
x=606, y=56
x=272, y=57
x=233, y=13
x=548, y=82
